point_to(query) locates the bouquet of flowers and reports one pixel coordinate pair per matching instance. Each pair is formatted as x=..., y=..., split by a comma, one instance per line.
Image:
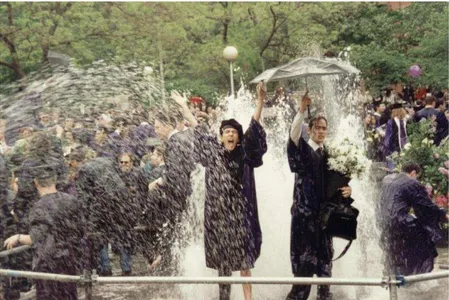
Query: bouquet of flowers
x=347, y=158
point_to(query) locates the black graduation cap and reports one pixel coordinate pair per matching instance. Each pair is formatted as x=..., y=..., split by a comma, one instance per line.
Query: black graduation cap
x=396, y=105
x=231, y=123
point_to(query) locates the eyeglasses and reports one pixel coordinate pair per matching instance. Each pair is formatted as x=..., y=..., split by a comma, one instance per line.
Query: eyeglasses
x=124, y=162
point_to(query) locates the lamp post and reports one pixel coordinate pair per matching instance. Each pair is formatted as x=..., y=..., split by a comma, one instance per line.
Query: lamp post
x=230, y=54
x=148, y=72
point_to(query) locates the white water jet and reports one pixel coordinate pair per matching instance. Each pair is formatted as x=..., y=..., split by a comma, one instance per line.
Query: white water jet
x=274, y=182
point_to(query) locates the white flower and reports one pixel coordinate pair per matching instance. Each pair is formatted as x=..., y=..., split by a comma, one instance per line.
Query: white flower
x=424, y=141
x=407, y=146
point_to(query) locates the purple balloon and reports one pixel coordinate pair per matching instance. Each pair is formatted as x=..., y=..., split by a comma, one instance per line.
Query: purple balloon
x=414, y=71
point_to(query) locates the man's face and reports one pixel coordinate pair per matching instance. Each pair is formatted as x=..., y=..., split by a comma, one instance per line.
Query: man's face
x=162, y=130
x=44, y=118
x=155, y=159
x=381, y=108
x=68, y=124
x=230, y=138
x=318, y=132
x=125, y=163
x=100, y=136
x=209, y=110
x=74, y=164
x=26, y=133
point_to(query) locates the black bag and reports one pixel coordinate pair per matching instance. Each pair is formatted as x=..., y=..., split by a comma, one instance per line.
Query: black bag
x=340, y=220
x=338, y=217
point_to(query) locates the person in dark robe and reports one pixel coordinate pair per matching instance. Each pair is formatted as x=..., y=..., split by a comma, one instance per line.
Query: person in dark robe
x=431, y=112
x=56, y=235
x=428, y=110
x=104, y=145
x=395, y=133
x=136, y=182
x=442, y=128
x=157, y=162
x=11, y=287
x=232, y=233
x=43, y=149
x=408, y=240
x=171, y=191
x=311, y=250
x=110, y=213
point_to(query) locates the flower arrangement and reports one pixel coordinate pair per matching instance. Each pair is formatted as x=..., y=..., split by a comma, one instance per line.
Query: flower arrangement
x=430, y=157
x=347, y=158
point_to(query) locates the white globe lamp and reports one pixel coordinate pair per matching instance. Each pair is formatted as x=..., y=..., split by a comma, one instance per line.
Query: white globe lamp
x=230, y=53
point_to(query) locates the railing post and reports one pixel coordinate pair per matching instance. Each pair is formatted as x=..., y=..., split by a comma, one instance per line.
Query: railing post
x=393, y=288
x=87, y=281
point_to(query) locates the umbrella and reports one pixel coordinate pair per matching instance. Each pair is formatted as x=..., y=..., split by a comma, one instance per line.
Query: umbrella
x=305, y=67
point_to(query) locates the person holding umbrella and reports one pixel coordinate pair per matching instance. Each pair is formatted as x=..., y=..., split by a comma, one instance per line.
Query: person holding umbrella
x=311, y=249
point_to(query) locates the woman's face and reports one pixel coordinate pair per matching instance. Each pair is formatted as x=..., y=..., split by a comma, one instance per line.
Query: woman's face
x=368, y=120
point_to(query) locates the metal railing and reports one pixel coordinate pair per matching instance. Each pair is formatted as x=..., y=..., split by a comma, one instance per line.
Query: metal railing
x=14, y=250
x=89, y=279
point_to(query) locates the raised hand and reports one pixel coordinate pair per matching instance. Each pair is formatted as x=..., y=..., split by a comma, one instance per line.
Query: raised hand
x=179, y=99
x=305, y=101
x=261, y=91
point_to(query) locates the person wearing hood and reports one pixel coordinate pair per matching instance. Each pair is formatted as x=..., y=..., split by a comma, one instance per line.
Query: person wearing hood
x=232, y=232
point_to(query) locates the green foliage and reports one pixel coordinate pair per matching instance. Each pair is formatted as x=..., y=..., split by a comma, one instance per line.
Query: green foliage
x=188, y=38
x=430, y=157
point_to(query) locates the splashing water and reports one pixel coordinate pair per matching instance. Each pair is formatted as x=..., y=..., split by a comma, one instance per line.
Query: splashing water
x=274, y=182
x=102, y=84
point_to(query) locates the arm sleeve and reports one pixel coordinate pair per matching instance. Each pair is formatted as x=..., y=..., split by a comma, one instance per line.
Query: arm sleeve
x=423, y=207
x=388, y=133
x=296, y=128
x=39, y=226
x=205, y=145
x=254, y=143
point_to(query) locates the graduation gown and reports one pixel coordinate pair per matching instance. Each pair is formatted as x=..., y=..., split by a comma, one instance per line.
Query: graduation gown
x=179, y=164
x=310, y=250
x=232, y=233
x=395, y=138
x=57, y=232
x=408, y=241
x=107, y=203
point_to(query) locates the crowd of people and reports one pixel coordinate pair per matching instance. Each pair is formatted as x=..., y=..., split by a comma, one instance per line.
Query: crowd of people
x=71, y=186
x=387, y=116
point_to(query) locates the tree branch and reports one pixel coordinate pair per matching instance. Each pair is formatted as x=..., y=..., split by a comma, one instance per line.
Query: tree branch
x=8, y=65
x=273, y=31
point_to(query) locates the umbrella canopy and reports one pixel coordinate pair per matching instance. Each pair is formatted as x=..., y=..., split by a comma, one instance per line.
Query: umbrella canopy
x=304, y=67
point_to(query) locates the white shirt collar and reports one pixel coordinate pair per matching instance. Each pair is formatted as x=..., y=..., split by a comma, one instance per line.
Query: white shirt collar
x=314, y=145
x=172, y=133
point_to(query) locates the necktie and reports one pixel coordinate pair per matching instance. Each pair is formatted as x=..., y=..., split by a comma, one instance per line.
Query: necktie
x=320, y=151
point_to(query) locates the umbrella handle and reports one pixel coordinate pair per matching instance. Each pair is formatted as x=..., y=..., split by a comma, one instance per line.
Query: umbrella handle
x=308, y=111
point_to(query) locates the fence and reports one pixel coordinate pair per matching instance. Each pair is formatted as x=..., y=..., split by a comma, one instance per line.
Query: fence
x=88, y=280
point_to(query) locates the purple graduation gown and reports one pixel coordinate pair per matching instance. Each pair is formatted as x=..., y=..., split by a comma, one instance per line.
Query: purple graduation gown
x=408, y=241
x=232, y=232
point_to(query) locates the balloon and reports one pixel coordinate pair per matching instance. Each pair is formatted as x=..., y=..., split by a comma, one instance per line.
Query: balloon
x=414, y=71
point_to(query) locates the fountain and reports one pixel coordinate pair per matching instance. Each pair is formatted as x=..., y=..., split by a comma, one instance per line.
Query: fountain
x=274, y=183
